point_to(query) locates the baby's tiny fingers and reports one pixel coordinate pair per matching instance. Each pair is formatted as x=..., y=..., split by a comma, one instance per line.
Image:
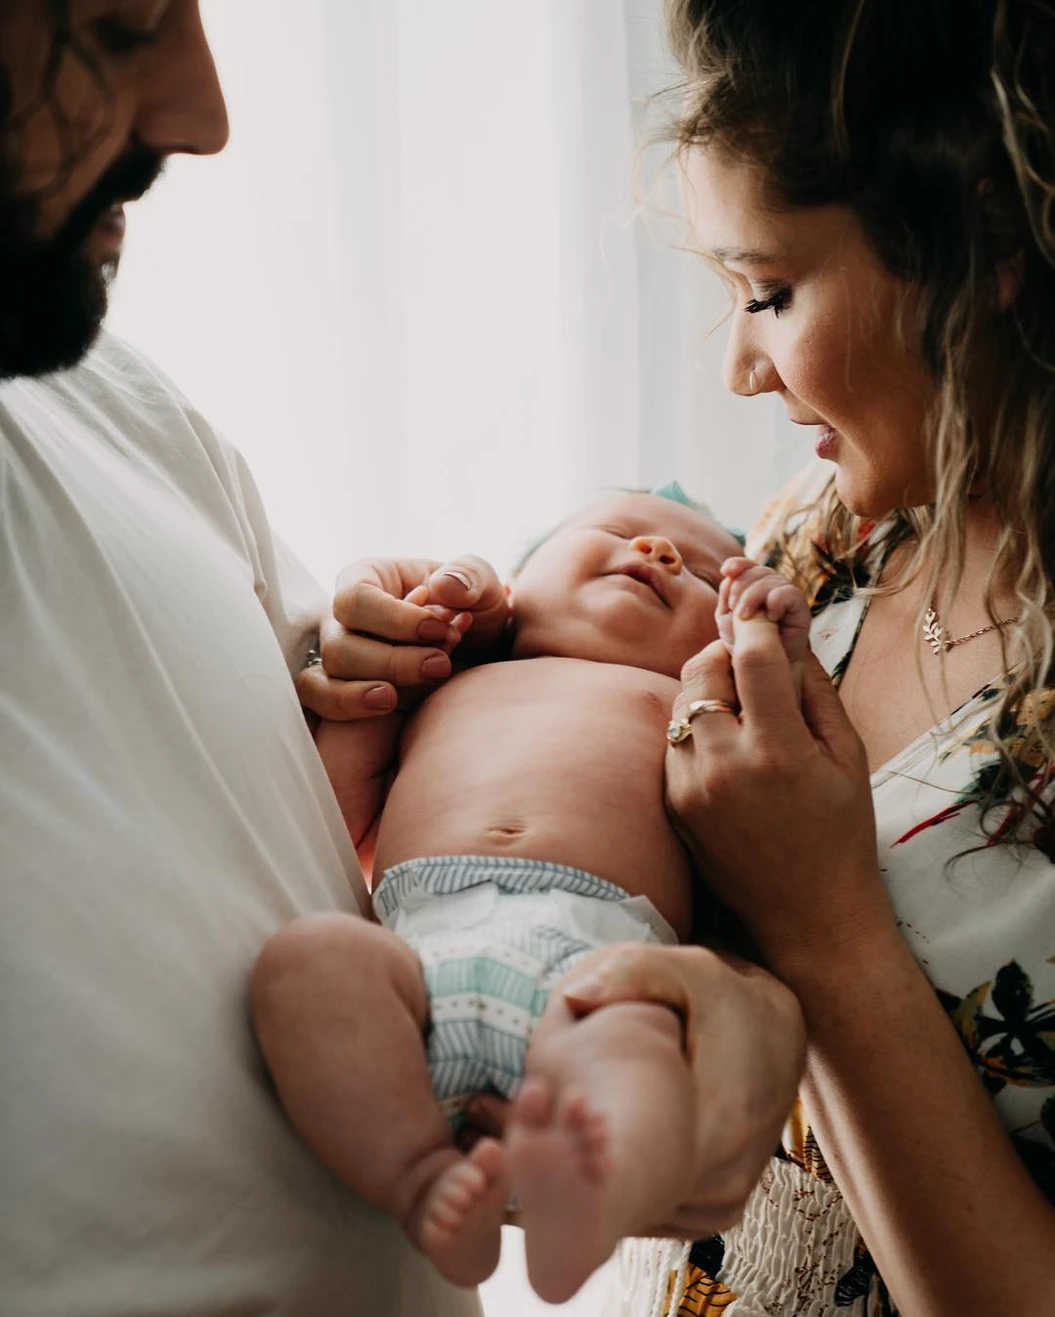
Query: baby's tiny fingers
x=732, y=568
x=753, y=598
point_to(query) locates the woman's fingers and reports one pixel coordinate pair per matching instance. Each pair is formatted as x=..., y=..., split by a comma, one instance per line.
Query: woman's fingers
x=769, y=699
x=708, y=675
x=826, y=717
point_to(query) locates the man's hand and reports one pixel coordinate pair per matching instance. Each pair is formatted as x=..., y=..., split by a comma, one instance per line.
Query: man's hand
x=396, y=625
x=745, y=1043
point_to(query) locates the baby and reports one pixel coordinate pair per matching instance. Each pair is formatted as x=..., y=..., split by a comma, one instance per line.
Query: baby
x=525, y=828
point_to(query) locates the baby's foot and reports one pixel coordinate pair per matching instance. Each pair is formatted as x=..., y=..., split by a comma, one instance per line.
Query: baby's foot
x=558, y=1156
x=459, y=1223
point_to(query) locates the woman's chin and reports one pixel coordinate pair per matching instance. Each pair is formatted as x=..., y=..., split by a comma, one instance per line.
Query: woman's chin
x=860, y=498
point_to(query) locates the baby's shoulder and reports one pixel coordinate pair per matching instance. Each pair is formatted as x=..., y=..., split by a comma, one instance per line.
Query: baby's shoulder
x=553, y=674
x=590, y=682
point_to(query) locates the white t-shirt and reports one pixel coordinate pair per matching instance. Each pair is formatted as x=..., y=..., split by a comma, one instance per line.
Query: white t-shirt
x=162, y=811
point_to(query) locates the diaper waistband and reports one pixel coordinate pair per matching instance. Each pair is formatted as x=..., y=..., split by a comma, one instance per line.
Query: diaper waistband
x=442, y=875
x=406, y=888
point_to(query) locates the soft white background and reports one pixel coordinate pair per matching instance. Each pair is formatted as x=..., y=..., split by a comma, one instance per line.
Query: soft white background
x=421, y=292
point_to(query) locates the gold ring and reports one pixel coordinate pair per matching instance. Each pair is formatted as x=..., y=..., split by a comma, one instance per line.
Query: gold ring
x=680, y=729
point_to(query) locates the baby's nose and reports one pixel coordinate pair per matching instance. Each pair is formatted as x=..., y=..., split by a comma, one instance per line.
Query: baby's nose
x=659, y=550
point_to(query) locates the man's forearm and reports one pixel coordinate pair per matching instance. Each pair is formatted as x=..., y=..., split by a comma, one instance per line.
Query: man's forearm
x=359, y=758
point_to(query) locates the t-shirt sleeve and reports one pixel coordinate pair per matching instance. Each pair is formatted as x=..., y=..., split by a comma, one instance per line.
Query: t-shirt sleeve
x=291, y=597
x=218, y=478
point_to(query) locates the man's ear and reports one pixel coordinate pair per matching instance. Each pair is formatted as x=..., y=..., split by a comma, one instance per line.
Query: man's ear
x=1008, y=281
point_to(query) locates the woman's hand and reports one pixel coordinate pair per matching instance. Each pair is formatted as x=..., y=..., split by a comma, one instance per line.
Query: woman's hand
x=775, y=804
x=395, y=625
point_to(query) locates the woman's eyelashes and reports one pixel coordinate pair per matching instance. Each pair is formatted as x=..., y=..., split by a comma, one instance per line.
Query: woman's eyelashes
x=779, y=299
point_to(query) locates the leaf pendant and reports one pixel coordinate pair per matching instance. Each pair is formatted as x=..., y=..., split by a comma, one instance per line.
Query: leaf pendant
x=933, y=631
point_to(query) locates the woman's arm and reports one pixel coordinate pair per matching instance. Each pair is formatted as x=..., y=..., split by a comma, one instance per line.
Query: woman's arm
x=953, y=1221
x=945, y=1205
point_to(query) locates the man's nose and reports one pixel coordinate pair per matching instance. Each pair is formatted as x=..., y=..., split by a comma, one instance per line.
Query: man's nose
x=659, y=551
x=183, y=109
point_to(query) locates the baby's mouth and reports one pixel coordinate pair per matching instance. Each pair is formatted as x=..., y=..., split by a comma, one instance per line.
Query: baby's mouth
x=646, y=575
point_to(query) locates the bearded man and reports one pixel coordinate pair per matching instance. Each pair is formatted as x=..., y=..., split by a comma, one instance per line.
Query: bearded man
x=162, y=808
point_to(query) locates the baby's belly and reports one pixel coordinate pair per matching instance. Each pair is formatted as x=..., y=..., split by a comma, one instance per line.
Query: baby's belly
x=563, y=785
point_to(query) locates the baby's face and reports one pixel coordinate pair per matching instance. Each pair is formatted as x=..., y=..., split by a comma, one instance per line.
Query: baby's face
x=633, y=580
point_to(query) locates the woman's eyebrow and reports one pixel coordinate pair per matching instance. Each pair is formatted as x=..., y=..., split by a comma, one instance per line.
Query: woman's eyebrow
x=742, y=256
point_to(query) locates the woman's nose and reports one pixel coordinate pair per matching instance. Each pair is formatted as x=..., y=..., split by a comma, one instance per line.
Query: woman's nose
x=746, y=370
x=660, y=551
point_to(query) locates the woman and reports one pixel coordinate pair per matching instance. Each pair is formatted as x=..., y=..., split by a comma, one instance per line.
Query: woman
x=876, y=181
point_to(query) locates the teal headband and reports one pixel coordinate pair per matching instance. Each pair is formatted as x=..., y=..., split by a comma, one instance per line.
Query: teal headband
x=676, y=494
x=672, y=490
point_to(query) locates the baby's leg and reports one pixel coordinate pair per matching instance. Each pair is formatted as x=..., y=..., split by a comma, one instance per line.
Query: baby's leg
x=599, y=1136
x=339, y=1006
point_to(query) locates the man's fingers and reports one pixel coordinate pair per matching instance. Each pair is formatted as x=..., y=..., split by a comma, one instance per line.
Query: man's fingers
x=471, y=585
x=343, y=701
x=366, y=608
x=357, y=657
x=668, y=976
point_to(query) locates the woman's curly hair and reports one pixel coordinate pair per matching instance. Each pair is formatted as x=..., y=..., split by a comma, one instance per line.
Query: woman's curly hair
x=934, y=121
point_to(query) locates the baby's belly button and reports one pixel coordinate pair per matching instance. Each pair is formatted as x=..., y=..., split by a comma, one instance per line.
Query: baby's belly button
x=505, y=832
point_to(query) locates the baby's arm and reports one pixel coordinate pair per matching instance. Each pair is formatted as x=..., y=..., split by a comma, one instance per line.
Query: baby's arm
x=748, y=588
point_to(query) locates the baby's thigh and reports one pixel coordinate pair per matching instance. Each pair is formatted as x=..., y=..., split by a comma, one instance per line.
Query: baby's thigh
x=322, y=966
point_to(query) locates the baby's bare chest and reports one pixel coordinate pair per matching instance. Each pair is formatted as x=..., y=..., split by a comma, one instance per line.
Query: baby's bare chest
x=581, y=710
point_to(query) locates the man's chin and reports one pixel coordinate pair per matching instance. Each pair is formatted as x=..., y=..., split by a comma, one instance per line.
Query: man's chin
x=54, y=319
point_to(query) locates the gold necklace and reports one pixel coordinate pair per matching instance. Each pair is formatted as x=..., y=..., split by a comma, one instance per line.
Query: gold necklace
x=939, y=639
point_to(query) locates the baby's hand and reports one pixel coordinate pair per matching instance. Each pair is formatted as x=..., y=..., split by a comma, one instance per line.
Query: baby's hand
x=748, y=588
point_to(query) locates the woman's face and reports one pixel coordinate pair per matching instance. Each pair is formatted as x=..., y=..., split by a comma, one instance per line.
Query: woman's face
x=815, y=321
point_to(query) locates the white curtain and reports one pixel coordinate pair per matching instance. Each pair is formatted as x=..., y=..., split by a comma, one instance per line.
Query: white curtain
x=417, y=290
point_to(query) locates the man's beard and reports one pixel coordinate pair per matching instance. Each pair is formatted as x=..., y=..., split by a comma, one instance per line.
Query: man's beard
x=52, y=296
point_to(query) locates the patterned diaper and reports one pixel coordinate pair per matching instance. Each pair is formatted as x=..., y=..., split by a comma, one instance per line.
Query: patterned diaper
x=494, y=934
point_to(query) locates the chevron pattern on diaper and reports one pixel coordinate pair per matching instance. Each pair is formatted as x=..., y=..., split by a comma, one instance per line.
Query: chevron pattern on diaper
x=488, y=982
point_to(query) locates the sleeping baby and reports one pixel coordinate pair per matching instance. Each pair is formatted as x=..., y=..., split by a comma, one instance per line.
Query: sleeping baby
x=524, y=829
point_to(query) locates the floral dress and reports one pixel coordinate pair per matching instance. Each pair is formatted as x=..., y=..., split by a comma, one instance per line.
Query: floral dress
x=980, y=919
